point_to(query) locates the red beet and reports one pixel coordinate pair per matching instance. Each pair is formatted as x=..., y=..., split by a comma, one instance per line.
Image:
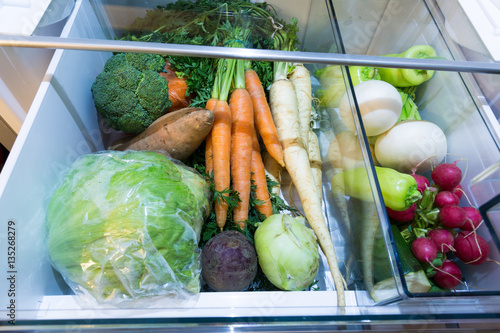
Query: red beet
x=404, y=215
x=471, y=248
x=447, y=175
x=448, y=275
x=446, y=198
x=452, y=216
x=473, y=219
x=424, y=249
x=443, y=239
x=422, y=182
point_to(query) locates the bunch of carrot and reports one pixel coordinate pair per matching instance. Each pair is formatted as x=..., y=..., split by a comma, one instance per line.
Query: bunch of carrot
x=232, y=148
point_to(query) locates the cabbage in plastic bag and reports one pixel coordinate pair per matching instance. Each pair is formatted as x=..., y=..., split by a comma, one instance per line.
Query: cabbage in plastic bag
x=126, y=225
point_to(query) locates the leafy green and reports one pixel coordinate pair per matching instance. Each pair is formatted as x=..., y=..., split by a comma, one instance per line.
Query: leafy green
x=126, y=225
x=202, y=22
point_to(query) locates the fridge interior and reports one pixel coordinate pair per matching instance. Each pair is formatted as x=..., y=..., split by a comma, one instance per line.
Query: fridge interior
x=62, y=125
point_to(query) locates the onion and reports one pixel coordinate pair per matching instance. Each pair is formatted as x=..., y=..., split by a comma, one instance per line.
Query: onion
x=288, y=252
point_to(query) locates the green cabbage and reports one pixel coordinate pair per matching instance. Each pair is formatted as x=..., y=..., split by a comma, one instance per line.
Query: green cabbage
x=126, y=225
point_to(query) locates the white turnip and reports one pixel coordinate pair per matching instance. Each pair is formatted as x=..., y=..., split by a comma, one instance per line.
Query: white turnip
x=448, y=275
x=380, y=105
x=411, y=144
x=452, y=216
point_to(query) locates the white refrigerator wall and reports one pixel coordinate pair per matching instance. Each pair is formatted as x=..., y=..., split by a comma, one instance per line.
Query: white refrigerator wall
x=60, y=116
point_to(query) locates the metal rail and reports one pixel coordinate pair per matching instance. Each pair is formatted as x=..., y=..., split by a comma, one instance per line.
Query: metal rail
x=250, y=54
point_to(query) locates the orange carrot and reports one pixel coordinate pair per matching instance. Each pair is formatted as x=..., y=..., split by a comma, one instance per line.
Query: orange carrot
x=242, y=130
x=177, y=87
x=259, y=179
x=221, y=143
x=209, y=162
x=263, y=117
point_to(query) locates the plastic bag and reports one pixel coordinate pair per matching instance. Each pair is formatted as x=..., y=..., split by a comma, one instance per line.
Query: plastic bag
x=124, y=227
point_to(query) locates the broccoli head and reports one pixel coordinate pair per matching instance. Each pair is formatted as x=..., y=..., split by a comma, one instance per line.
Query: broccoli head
x=130, y=93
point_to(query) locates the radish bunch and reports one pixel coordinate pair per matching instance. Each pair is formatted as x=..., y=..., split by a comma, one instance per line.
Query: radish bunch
x=440, y=227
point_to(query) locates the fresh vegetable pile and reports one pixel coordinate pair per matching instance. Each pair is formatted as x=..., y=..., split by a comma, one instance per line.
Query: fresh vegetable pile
x=434, y=235
x=443, y=233
x=242, y=125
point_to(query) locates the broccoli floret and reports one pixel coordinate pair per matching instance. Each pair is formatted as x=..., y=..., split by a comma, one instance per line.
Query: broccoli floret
x=130, y=93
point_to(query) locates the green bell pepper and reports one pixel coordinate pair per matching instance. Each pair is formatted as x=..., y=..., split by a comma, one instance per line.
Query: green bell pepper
x=400, y=77
x=361, y=74
x=332, y=81
x=399, y=190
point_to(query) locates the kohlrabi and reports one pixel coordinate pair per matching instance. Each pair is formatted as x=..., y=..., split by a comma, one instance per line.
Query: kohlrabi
x=288, y=252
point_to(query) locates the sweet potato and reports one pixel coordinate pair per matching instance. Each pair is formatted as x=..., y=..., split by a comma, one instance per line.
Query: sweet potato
x=179, y=133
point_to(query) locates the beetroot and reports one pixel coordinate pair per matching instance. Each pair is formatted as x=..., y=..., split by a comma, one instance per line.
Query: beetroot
x=422, y=182
x=448, y=275
x=471, y=248
x=402, y=216
x=424, y=249
x=473, y=219
x=443, y=239
x=452, y=216
x=228, y=261
x=446, y=198
x=447, y=175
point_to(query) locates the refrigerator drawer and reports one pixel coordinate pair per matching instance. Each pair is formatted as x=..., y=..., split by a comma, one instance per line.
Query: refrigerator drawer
x=63, y=124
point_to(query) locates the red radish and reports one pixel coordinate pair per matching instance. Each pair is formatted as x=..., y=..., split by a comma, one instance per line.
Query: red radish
x=446, y=198
x=448, y=275
x=471, y=248
x=443, y=239
x=458, y=191
x=473, y=219
x=447, y=175
x=424, y=249
x=422, y=182
x=452, y=216
x=402, y=216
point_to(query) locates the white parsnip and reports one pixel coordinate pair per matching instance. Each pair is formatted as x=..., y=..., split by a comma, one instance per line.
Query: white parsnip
x=273, y=171
x=285, y=114
x=315, y=162
x=301, y=80
x=365, y=214
x=339, y=199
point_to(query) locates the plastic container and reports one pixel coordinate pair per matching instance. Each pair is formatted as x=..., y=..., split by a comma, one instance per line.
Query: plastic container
x=62, y=125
